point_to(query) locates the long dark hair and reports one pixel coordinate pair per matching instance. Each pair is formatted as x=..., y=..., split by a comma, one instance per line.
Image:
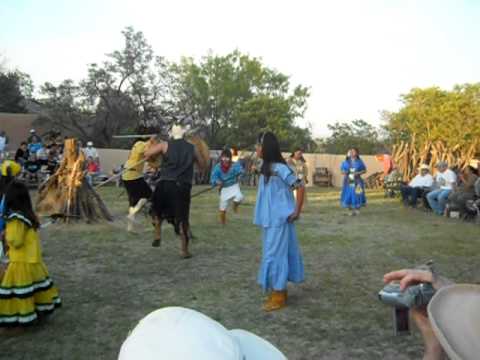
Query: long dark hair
x=270, y=153
x=357, y=151
x=17, y=199
x=5, y=181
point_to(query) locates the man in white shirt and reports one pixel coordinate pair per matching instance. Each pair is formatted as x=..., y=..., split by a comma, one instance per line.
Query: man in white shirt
x=417, y=186
x=92, y=152
x=445, y=180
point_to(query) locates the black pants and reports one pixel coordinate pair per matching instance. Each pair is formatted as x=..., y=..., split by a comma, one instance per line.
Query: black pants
x=410, y=194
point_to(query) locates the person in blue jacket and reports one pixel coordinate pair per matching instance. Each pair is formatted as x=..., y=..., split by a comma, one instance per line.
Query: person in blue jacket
x=226, y=175
x=276, y=211
x=353, y=189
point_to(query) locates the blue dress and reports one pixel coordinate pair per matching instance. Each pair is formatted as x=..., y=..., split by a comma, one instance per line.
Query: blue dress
x=353, y=190
x=281, y=258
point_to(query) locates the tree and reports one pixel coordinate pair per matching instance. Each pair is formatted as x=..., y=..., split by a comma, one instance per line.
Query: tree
x=233, y=97
x=134, y=90
x=358, y=133
x=433, y=114
x=121, y=95
x=11, y=97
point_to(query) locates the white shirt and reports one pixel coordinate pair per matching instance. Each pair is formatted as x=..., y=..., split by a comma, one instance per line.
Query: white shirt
x=3, y=143
x=446, y=179
x=91, y=152
x=42, y=154
x=421, y=181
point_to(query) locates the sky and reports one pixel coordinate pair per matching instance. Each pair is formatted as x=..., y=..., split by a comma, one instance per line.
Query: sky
x=356, y=56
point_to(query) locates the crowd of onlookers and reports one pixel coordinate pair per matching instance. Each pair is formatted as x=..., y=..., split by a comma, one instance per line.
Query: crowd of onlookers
x=448, y=192
x=40, y=158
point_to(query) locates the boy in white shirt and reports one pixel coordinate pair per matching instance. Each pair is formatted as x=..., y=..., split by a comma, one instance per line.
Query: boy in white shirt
x=417, y=186
x=445, y=179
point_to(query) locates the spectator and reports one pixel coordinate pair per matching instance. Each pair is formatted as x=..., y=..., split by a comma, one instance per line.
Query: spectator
x=34, y=145
x=3, y=142
x=92, y=169
x=417, y=186
x=42, y=156
x=32, y=167
x=449, y=325
x=445, y=179
x=257, y=163
x=92, y=152
x=54, y=151
x=297, y=163
x=465, y=191
x=34, y=138
x=52, y=163
x=22, y=154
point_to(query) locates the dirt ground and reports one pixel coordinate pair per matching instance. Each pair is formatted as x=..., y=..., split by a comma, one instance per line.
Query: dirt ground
x=109, y=279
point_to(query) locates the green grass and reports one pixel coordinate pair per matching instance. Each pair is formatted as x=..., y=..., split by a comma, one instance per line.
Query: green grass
x=109, y=279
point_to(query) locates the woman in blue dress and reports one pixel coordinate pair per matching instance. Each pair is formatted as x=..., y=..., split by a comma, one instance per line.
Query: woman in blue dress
x=353, y=190
x=275, y=212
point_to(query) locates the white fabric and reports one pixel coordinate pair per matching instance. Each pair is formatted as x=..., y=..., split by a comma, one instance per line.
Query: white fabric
x=3, y=143
x=179, y=334
x=446, y=179
x=230, y=193
x=178, y=132
x=176, y=333
x=42, y=154
x=421, y=181
x=91, y=152
x=254, y=347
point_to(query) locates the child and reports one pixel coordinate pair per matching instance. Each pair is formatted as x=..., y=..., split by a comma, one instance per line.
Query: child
x=275, y=212
x=26, y=290
x=226, y=175
x=8, y=171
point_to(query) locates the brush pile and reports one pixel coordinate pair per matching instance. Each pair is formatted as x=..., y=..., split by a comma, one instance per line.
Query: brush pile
x=67, y=193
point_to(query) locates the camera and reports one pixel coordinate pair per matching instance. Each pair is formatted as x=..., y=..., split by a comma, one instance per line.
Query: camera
x=413, y=296
x=402, y=301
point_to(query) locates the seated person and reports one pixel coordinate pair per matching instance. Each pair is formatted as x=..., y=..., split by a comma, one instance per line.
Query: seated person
x=42, y=156
x=449, y=324
x=32, y=166
x=22, y=154
x=417, y=186
x=446, y=180
x=457, y=200
x=34, y=146
x=52, y=163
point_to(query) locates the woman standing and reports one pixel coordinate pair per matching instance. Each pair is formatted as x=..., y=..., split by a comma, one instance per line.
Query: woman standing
x=353, y=190
x=275, y=212
x=297, y=163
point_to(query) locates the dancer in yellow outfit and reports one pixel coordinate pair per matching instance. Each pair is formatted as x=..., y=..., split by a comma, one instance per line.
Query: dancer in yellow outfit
x=138, y=190
x=26, y=290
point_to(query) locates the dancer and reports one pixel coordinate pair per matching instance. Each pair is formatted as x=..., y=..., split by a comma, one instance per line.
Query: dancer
x=353, y=190
x=26, y=290
x=133, y=178
x=226, y=175
x=171, y=197
x=9, y=171
x=275, y=212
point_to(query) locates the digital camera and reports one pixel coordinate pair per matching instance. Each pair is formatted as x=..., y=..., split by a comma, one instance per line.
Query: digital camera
x=412, y=297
